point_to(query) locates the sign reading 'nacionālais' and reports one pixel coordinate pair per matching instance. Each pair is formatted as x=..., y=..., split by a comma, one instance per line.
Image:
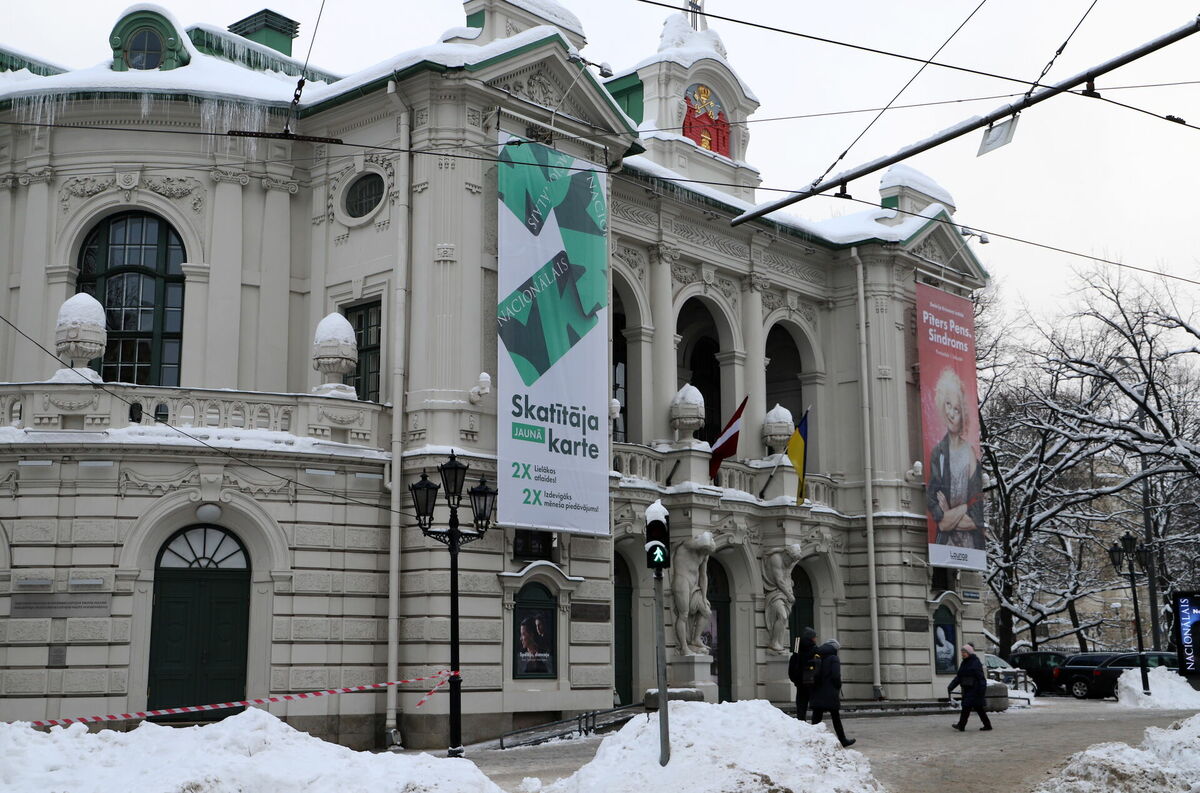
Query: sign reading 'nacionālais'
x=1187, y=618
x=552, y=324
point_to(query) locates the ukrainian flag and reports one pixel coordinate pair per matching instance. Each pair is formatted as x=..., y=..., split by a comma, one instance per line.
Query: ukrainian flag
x=797, y=451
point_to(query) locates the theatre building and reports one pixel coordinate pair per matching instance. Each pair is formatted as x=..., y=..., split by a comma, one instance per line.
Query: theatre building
x=263, y=342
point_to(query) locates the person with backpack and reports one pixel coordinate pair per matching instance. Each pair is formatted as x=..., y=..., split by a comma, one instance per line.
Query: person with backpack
x=974, y=689
x=827, y=692
x=802, y=670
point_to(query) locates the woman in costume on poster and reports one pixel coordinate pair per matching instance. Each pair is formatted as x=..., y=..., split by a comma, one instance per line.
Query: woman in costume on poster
x=955, y=490
x=533, y=657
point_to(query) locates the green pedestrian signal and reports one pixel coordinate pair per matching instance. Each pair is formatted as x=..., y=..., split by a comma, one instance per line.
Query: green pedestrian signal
x=658, y=537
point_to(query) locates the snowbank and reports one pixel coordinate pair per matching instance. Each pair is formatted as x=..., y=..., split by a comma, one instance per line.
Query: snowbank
x=1166, y=762
x=250, y=751
x=735, y=746
x=1168, y=690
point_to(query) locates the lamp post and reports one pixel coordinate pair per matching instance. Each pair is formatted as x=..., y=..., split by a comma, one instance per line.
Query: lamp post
x=483, y=502
x=1148, y=526
x=1125, y=551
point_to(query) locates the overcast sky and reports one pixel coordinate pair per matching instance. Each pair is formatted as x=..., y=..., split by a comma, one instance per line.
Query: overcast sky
x=1081, y=174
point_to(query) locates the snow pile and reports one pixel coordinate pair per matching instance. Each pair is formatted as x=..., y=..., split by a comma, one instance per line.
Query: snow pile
x=678, y=34
x=250, y=751
x=334, y=328
x=735, y=746
x=1168, y=690
x=1166, y=762
x=81, y=309
x=551, y=12
x=688, y=395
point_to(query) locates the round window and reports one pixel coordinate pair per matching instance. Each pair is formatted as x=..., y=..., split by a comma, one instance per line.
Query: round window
x=364, y=195
x=145, y=50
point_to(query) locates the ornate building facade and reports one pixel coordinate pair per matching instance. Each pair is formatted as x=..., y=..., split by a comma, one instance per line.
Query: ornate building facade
x=213, y=518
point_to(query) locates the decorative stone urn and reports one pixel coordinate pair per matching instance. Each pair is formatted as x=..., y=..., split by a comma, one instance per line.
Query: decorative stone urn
x=687, y=410
x=777, y=427
x=335, y=354
x=80, y=336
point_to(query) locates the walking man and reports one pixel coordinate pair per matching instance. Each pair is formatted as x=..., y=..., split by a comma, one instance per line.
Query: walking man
x=802, y=670
x=827, y=692
x=974, y=688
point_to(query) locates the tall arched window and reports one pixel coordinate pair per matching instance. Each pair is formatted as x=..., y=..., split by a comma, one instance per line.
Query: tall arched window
x=133, y=264
x=535, y=638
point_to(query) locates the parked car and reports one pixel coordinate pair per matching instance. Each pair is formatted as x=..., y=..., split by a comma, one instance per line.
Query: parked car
x=1076, y=672
x=997, y=668
x=1040, y=666
x=1104, y=678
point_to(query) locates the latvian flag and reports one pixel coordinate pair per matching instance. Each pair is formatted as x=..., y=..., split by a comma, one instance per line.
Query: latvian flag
x=726, y=445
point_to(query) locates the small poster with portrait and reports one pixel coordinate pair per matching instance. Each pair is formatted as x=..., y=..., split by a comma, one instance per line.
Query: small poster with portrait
x=534, y=643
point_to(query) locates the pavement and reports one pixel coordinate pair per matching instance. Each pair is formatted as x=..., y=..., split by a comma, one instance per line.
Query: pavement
x=917, y=753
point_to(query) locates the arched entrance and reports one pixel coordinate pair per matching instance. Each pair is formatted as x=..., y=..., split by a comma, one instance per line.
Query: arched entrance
x=802, y=610
x=719, y=636
x=698, y=364
x=200, y=621
x=622, y=631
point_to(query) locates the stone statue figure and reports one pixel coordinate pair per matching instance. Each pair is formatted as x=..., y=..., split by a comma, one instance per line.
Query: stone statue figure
x=689, y=591
x=777, y=580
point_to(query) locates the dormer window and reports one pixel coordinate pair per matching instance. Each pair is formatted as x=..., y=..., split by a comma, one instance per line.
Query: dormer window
x=145, y=50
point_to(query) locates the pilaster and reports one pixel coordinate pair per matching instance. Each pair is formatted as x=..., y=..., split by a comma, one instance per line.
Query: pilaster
x=275, y=284
x=225, y=280
x=34, y=316
x=662, y=315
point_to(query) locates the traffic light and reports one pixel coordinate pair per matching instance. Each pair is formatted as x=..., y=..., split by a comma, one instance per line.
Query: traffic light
x=658, y=537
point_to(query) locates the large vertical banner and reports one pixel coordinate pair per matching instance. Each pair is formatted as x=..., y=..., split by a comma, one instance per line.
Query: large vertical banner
x=552, y=323
x=950, y=429
x=1187, y=631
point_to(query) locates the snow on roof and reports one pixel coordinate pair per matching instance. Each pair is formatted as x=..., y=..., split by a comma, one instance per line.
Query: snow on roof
x=460, y=32
x=846, y=230
x=31, y=58
x=235, y=46
x=677, y=46
x=551, y=12
x=81, y=309
x=252, y=750
x=901, y=175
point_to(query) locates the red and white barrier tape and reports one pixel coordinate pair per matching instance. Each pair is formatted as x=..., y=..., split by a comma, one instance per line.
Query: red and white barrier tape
x=441, y=677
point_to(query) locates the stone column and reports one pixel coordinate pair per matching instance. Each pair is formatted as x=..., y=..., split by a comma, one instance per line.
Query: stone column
x=275, y=285
x=639, y=385
x=7, y=232
x=750, y=441
x=225, y=281
x=192, y=362
x=34, y=315
x=662, y=316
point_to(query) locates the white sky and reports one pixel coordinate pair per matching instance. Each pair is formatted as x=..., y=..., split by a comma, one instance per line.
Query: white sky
x=1081, y=174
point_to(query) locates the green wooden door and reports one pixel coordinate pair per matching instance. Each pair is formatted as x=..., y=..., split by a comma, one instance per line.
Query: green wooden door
x=200, y=623
x=622, y=631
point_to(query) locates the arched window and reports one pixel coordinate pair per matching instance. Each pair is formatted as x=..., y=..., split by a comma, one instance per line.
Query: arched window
x=205, y=547
x=145, y=50
x=535, y=643
x=133, y=264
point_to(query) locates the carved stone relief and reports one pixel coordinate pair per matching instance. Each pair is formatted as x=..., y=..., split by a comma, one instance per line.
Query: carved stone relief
x=82, y=187
x=711, y=240
x=793, y=268
x=634, y=214
x=632, y=258
x=178, y=187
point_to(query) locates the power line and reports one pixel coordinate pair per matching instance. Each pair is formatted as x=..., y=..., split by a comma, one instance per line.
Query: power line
x=217, y=449
x=860, y=47
x=675, y=179
x=903, y=88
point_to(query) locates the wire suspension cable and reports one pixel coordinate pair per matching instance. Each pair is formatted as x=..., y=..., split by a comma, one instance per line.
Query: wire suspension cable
x=1060, y=50
x=970, y=125
x=903, y=88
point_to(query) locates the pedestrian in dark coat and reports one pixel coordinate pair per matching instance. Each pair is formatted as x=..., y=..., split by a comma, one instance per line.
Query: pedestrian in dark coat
x=827, y=693
x=974, y=688
x=806, y=648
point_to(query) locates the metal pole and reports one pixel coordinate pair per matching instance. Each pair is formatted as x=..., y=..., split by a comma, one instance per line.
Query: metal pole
x=664, y=733
x=1137, y=626
x=453, y=537
x=962, y=128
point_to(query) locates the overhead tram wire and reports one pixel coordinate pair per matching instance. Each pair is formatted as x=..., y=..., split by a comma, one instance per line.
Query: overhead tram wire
x=859, y=47
x=217, y=449
x=903, y=88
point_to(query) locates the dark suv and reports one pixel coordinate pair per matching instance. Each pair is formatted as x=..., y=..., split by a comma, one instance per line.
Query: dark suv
x=1040, y=666
x=1076, y=672
x=1104, y=678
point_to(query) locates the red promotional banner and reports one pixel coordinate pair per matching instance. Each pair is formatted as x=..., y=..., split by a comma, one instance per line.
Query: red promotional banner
x=950, y=430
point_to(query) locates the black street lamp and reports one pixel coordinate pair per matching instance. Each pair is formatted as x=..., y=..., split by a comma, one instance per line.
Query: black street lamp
x=1125, y=551
x=483, y=503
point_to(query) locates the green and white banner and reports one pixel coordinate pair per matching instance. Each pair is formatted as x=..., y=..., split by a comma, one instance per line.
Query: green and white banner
x=552, y=323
